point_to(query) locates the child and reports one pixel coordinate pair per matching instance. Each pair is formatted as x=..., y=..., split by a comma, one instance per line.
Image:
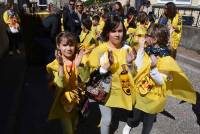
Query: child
x=95, y=26
x=12, y=20
x=63, y=74
x=158, y=78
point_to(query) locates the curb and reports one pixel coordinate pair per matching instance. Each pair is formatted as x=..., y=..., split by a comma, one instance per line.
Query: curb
x=193, y=62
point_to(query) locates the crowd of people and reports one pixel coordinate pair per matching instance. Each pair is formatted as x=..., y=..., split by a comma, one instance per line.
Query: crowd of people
x=108, y=59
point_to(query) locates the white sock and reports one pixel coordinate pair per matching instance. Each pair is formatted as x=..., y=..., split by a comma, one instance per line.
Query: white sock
x=126, y=129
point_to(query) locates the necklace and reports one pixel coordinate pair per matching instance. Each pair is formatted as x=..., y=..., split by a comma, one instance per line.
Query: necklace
x=69, y=68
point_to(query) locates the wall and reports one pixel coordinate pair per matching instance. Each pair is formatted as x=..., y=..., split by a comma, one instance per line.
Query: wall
x=190, y=38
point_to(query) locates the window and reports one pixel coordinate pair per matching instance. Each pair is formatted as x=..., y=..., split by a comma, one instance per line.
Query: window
x=176, y=1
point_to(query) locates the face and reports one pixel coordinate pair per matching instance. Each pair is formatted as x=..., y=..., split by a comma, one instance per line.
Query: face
x=79, y=7
x=116, y=35
x=72, y=4
x=67, y=49
x=95, y=22
x=150, y=40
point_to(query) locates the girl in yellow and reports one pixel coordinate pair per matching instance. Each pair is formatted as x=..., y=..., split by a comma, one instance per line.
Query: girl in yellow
x=158, y=78
x=115, y=57
x=12, y=20
x=140, y=30
x=63, y=73
x=174, y=25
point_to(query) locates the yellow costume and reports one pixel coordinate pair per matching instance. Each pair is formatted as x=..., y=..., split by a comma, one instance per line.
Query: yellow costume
x=151, y=98
x=64, y=103
x=96, y=30
x=88, y=43
x=117, y=97
x=11, y=21
x=176, y=35
x=88, y=40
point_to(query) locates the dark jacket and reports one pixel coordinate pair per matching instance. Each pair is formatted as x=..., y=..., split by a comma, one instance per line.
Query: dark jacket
x=71, y=21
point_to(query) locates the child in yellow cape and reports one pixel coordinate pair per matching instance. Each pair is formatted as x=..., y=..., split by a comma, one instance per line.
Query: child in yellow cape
x=115, y=57
x=63, y=74
x=158, y=78
x=88, y=39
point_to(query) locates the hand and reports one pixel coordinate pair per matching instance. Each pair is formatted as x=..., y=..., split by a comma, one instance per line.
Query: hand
x=153, y=61
x=131, y=56
x=110, y=57
x=107, y=65
x=79, y=57
x=141, y=42
x=59, y=58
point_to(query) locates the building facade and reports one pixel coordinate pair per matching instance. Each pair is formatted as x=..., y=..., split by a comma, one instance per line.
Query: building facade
x=182, y=2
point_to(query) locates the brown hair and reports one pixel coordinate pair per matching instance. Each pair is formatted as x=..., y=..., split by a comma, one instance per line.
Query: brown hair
x=142, y=17
x=160, y=33
x=69, y=36
x=170, y=10
x=112, y=22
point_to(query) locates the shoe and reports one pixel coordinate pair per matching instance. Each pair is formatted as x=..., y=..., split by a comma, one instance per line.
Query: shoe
x=10, y=53
x=196, y=108
x=126, y=129
x=18, y=51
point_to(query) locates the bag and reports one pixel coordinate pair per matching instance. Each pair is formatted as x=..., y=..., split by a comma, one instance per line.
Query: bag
x=163, y=20
x=99, y=86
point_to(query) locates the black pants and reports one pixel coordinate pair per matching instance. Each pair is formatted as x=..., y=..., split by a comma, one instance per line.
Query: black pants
x=13, y=40
x=136, y=116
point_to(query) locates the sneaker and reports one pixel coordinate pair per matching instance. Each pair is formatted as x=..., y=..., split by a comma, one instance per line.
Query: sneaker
x=10, y=53
x=126, y=129
x=18, y=51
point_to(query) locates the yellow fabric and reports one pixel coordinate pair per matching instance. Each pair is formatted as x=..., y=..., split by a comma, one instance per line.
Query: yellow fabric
x=88, y=42
x=141, y=30
x=85, y=39
x=7, y=19
x=117, y=97
x=176, y=36
x=101, y=24
x=126, y=24
x=131, y=31
x=180, y=87
x=63, y=85
x=96, y=30
x=154, y=101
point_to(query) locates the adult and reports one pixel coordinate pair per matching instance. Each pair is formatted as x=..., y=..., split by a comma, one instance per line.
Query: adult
x=146, y=7
x=71, y=21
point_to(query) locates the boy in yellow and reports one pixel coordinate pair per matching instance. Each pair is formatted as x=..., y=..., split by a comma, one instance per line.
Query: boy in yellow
x=112, y=56
x=96, y=28
x=87, y=38
x=63, y=74
x=175, y=26
x=158, y=78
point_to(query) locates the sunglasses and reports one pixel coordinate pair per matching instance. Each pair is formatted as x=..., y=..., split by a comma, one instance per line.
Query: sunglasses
x=79, y=5
x=72, y=4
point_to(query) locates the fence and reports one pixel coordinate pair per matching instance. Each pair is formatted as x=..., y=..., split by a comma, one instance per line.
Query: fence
x=188, y=12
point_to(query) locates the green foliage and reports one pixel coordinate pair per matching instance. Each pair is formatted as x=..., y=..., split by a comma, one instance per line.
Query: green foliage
x=90, y=2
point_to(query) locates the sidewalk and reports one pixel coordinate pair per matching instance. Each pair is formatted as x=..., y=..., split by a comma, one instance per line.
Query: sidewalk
x=189, y=57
